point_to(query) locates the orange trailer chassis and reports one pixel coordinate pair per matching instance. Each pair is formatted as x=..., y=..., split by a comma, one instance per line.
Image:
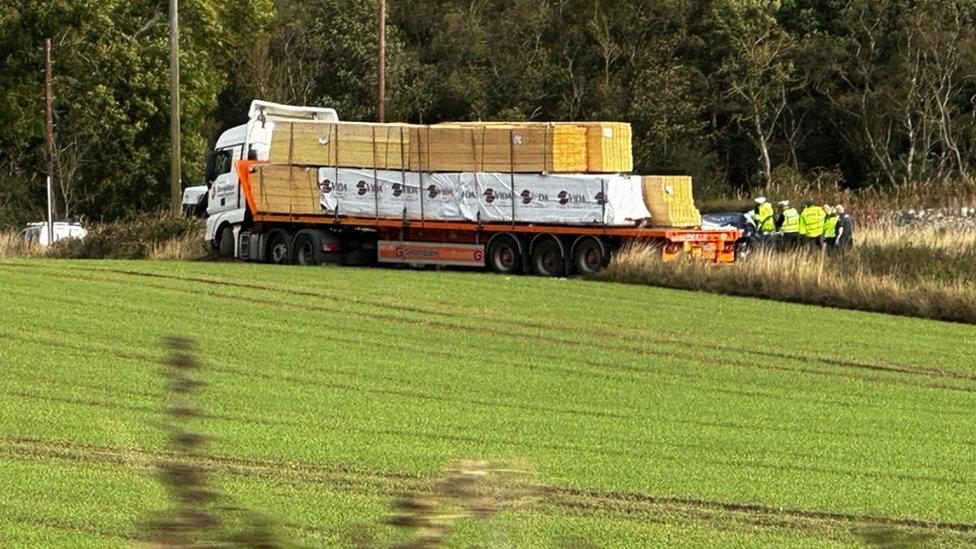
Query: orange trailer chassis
x=463, y=243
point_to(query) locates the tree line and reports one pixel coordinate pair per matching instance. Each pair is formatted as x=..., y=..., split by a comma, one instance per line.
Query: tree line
x=737, y=93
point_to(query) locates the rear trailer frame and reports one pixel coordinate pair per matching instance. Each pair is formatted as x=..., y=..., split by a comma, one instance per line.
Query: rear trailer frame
x=470, y=244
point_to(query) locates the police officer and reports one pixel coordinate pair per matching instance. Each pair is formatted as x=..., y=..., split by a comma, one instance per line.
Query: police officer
x=763, y=216
x=811, y=225
x=788, y=223
x=845, y=228
x=830, y=226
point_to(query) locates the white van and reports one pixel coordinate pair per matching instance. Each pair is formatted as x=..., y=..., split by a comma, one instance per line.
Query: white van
x=37, y=233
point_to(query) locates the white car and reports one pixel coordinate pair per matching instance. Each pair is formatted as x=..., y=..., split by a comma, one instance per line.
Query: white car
x=37, y=233
x=195, y=201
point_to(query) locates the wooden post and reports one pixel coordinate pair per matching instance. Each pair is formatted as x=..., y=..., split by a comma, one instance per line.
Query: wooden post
x=381, y=94
x=174, y=107
x=49, y=138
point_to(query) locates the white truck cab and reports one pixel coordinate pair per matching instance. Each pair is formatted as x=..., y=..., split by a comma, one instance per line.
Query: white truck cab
x=225, y=204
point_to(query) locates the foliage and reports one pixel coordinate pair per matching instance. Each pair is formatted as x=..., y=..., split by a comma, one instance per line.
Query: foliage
x=471, y=489
x=200, y=514
x=160, y=236
x=111, y=97
x=727, y=91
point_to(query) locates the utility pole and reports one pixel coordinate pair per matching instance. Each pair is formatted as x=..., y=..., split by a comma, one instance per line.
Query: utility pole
x=174, y=107
x=49, y=138
x=381, y=100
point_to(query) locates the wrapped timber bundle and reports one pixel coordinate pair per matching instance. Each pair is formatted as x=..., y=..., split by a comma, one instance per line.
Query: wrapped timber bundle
x=489, y=172
x=608, y=145
x=292, y=190
x=487, y=197
x=499, y=148
x=347, y=144
x=523, y=147
x=669, y=200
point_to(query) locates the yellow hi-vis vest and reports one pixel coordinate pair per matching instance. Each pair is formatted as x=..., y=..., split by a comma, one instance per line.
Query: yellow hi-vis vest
x=764, y=218
x=812, y=221
x=830, y=226
x=791, y=221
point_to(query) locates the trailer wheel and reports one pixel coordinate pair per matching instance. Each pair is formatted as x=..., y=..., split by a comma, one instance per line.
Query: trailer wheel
x=225, y=246
x=547, y=259
x=589, y=256
x=503, y=256
x=305, y=252
x=279, y=248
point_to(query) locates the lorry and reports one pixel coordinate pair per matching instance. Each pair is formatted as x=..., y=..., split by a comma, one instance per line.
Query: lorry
x=240, y=223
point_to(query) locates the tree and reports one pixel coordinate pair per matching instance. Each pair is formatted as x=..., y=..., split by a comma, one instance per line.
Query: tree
x=900, y=85
x=758, y=71
x=111, y=96
x=721, y=89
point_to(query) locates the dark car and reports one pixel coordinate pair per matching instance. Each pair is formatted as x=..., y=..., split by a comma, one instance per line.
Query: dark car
x=749, y=238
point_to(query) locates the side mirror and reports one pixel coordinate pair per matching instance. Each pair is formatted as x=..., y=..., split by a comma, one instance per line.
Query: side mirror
x=208, y=173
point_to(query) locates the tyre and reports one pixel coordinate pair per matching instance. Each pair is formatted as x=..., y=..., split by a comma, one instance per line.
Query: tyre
x=225, y=246
x=547, y=259
x=504, y=256
x=589, y=257
x=279, y=248
x=305, y=250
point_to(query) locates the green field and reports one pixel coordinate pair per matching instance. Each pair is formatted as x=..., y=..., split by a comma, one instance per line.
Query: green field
x=651, y=416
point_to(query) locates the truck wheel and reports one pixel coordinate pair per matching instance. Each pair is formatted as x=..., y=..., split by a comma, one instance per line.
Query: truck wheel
x=589, y=256
x=305, y=252
x=225, y=248
x=547, y=259
x=504, y=257
x=279, y=248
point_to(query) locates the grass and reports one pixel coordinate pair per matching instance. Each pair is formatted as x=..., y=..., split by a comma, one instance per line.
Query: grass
x=866, y=203
x=950, y=239
x=160, y=236
x=12, y=245
x=649, y=416
x=925, y=254
x=927, y=272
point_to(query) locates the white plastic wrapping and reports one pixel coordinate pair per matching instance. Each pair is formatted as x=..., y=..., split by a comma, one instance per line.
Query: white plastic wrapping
x=487, y=197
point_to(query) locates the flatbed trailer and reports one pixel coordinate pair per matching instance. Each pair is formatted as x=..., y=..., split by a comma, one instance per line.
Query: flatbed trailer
x=511, y=248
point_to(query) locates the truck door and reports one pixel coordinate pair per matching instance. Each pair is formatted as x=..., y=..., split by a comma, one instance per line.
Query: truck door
x=222, y=180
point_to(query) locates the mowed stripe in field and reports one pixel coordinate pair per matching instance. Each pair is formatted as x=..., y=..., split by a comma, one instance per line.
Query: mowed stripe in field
x=393, y=483
x=605, y=388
